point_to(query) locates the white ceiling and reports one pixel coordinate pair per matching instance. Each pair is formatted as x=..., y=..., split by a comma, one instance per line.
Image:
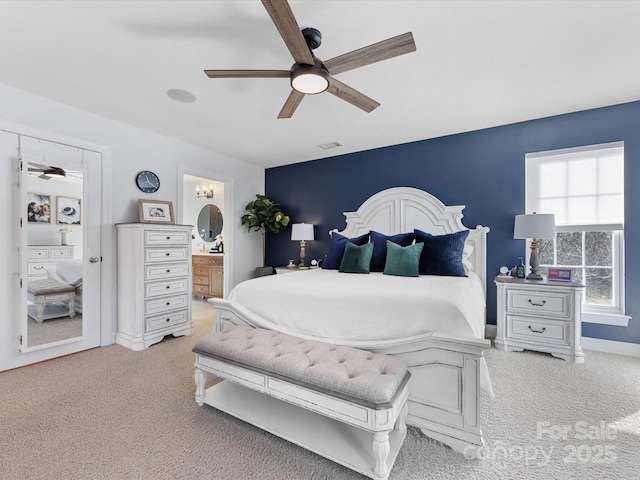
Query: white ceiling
x=478, y=64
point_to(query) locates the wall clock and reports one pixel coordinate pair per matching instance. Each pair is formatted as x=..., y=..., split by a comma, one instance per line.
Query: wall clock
x=147, y=181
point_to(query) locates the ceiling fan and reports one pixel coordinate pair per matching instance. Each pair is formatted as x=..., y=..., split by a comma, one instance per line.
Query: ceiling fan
x=310, y=75
x=45, y=172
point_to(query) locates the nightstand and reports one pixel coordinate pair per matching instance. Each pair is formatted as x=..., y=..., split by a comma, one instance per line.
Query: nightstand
x=296, y=268
x=543, y=316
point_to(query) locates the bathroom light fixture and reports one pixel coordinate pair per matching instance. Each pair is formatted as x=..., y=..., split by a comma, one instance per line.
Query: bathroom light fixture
x=534, y=226
x=302, y=232
x=206, y=193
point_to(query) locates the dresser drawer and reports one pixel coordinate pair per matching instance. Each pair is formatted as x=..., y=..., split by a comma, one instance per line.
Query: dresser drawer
x=200, y=270
x=62, y=252
x=214, y=260
x=165, y=237
x=168, y=320
x=539, y=303
x=200, y=280
x=167, y=287
x=543, y=331
x=39, y=253
x=167, y=270
x=169, y=254
x=165, y=304
x=200, y=289
x=40, y=268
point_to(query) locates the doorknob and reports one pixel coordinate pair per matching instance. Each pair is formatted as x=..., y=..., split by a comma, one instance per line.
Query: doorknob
x=94, y=259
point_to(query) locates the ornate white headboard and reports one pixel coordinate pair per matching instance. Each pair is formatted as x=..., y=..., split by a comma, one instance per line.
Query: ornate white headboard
x=401, y=209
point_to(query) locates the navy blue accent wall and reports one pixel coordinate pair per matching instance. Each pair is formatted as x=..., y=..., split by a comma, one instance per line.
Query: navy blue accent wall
x=483, y=170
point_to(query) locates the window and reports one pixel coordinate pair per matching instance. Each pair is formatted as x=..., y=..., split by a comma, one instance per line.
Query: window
x=584, y=188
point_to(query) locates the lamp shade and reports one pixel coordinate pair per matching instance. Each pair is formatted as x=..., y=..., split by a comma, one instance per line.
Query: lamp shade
x=302, y=231
x=536, y=225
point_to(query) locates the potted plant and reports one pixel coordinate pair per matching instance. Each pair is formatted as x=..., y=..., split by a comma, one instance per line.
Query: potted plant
x=263, y=214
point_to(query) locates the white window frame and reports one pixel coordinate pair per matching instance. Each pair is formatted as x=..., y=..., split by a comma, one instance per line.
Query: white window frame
x=608, y=315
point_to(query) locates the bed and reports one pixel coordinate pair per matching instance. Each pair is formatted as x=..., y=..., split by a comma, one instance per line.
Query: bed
x=435, y=324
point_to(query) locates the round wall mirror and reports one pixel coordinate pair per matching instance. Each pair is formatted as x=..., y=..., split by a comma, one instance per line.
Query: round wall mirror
x=209, y=222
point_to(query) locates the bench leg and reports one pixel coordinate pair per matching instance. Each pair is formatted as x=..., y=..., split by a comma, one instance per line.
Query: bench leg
x=200, y=377
x=39, y=310
x=381, y=449
x=401, y=424
x=72, y=305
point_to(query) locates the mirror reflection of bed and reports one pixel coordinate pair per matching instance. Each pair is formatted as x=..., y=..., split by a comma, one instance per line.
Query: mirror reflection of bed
x=55, y=321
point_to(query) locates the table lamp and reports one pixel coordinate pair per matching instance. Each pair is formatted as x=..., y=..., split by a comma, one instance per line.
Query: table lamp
x=534, y=226
x=302, y=232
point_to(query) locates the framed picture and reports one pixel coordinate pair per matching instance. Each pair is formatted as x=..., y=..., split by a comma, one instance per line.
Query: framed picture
x=68, y=211
x=38, y=208
x=155, y=211
x=562, y=274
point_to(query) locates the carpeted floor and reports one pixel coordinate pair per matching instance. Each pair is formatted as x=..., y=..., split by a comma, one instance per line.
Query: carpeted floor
x=110, y=413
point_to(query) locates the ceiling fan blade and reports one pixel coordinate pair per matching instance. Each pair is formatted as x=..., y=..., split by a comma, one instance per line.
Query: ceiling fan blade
x=291, y=104
x=352, y=96
x=282, y=16
x=247, y=73
x=392, y=47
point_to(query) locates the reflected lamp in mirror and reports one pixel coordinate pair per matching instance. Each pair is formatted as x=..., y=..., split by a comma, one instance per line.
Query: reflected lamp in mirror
x=205, y=193
x=534, y=226
x=302, y=232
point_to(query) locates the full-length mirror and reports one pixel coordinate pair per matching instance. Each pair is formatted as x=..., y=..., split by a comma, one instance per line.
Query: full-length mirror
x=54, y=201
x=209, y=222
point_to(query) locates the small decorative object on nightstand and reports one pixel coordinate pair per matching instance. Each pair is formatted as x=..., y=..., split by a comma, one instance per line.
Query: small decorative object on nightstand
x=540, y=315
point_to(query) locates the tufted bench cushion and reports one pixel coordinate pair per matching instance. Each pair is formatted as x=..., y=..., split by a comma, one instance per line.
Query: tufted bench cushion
x=362, y=377
x=48, y=287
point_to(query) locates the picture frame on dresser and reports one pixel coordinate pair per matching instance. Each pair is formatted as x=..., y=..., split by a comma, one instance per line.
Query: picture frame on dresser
x=68, y=211
x=155, y=211
x=38, y=208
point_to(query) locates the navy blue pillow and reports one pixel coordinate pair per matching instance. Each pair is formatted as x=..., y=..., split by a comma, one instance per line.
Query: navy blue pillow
x=333, y=259
x=442, y=254
x=379, y=241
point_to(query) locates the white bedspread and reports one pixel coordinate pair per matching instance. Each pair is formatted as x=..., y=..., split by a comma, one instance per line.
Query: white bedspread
x=329, y=304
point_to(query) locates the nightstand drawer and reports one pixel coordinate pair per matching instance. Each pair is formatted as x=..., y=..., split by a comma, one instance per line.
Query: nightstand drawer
x=539, y=303
x=539, y=330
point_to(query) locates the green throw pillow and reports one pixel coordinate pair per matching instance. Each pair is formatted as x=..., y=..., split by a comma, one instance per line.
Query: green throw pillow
x=356, y=259
x=403, y=261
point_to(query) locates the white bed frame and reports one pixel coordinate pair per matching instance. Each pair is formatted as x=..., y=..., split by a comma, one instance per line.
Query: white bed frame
x=444, y=399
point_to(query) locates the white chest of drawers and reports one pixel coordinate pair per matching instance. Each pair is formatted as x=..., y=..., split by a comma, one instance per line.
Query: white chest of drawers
x=154, y=283
x=41, y=258
x=540, y=315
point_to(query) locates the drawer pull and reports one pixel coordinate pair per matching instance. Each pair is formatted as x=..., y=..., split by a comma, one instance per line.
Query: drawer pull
x=168, y=270
x=534, y=304
x=168, y=238
x=168, y=303
x=168, y=319
x=168, y=286
x=537, y=331
x=167, y=254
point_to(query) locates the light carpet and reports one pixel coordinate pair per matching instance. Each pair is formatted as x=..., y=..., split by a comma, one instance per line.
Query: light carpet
x=110, y=413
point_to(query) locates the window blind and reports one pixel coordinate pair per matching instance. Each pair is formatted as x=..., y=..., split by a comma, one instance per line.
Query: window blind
x=582, y=186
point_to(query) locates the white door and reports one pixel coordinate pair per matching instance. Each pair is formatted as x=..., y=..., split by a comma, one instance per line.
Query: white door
x=59, y=206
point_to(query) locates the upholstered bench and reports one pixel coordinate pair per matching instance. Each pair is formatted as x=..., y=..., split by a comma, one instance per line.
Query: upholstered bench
x=41, y=292
x=345, y=404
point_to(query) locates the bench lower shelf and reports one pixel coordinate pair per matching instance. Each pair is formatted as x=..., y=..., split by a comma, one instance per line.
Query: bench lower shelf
x=344, y=444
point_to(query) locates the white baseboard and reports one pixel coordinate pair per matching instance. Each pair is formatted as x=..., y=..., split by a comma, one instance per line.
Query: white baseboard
x=588, y=343
x=611, y=346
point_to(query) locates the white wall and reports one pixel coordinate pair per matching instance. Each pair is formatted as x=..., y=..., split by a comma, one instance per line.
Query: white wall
x=132, y=149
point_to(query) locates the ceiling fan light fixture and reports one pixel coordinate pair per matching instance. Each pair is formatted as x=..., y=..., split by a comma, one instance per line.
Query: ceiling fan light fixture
x=56, y=172
x=309, y=79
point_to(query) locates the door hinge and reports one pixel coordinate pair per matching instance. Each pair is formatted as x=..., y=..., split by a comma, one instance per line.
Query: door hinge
x=20, y=339
x=20, y=283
